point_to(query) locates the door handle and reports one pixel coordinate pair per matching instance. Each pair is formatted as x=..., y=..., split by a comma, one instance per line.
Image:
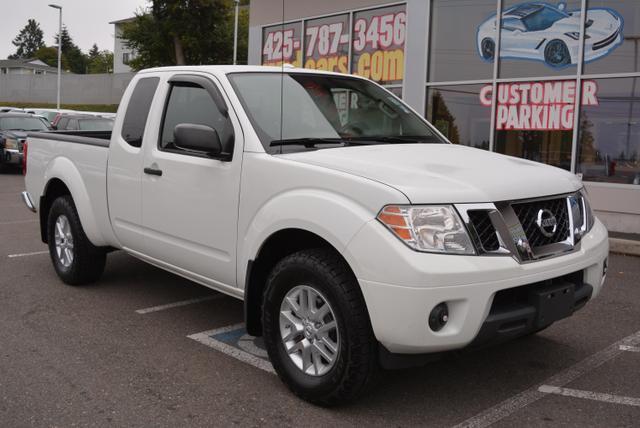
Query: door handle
x=153, y=171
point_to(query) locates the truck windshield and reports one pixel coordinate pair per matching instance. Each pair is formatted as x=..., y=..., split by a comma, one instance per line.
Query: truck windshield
x=320, y=111
x=22, y=124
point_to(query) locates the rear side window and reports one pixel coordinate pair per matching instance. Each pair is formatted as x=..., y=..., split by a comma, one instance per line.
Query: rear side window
x=135, y=119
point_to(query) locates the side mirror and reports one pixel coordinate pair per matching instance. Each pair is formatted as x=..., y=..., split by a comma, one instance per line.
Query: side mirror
x=198, y=138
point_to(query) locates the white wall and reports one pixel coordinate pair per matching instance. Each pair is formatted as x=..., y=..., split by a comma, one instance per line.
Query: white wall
x=118, y=49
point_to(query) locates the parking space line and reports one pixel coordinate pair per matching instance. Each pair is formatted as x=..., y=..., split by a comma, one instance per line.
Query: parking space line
x=206, y=339
x=35, y=253
x=17, y=222
x=178, y=304
x=531, y=395
x=629, y=348
x=590, y=395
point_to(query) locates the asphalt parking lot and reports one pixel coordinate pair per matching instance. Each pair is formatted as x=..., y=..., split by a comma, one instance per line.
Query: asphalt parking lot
x=147, y=348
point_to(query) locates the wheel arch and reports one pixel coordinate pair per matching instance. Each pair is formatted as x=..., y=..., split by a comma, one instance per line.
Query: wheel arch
x=63, y=178
x=278, y=245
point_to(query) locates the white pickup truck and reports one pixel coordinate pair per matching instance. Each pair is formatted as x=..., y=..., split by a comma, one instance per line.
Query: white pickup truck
x=357, y=236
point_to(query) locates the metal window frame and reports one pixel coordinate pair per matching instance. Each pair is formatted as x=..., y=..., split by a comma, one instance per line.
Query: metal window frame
x=579, y=76
x=351, y=13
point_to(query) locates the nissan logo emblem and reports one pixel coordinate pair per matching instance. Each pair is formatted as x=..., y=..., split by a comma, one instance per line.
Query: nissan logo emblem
x=547, y=223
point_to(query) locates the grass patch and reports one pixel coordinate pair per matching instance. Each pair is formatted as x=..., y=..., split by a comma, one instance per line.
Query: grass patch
x=106, y=108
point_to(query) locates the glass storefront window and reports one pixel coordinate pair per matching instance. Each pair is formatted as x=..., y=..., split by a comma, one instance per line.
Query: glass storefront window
x=458, y=113
x=534, y=120
x=539, y=38
x=378, y=44
x=461, y=47
x=282, y=43
x=609, y=149
x=326, y=44
x=613, y=43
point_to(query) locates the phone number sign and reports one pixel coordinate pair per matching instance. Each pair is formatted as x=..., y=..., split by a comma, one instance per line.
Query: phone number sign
x=377, y=38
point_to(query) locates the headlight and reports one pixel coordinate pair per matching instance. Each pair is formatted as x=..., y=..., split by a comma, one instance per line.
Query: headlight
x=11, y=144
x=428, y=228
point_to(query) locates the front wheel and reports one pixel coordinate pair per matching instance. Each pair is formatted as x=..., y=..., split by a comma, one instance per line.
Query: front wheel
x=488, y=49
x=316, y=328
x=76, y=260
x=556, y=54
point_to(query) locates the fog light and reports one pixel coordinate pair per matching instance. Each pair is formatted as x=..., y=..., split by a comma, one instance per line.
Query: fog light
x=438, y=317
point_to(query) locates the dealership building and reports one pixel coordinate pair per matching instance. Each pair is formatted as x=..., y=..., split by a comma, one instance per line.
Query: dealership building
x=546, y=85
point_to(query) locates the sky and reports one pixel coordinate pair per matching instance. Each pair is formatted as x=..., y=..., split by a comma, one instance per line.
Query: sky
x=86, y=20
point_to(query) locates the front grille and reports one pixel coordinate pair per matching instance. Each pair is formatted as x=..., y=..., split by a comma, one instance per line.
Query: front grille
x=606, y=42
x=527, y=213
x=485, y=233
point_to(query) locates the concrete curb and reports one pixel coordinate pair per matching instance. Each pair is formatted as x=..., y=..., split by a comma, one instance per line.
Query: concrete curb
x=624, y=246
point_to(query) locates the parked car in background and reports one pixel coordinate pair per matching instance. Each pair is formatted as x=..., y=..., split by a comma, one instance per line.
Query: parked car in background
x=13, y=132
x=7, y=109
x=48, y=113
x=84, y=122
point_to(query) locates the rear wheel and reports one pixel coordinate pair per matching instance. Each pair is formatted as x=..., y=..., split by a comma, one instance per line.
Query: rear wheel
x=316, y=328
x=76, y=260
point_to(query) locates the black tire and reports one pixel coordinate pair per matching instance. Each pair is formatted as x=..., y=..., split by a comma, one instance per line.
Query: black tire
x=356, y=362
x=556, y=54
x=488, y=49
x=88, y=260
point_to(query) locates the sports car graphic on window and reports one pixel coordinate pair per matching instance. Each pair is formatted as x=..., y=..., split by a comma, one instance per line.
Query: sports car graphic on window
x=550, y=33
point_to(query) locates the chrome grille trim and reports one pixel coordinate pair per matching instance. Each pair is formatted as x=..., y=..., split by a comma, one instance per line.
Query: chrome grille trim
x=513, y=237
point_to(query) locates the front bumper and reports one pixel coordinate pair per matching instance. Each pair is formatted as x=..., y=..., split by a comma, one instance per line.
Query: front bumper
x=401, y=286
x=11, y=156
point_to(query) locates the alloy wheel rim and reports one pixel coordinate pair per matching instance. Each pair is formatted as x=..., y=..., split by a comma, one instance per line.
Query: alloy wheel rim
x=488, y=49
x=556, y=53
x=309, y=330
x=64, y=241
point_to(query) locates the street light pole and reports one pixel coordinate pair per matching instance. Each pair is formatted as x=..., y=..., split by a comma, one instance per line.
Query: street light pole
x=55, y=6
x=235, y=35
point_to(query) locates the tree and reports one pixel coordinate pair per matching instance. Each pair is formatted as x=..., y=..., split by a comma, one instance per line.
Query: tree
x=49, y=55
x=94, y=52
x=185, y=32
x=100, y=62
x=28, y=41
x=76, y=60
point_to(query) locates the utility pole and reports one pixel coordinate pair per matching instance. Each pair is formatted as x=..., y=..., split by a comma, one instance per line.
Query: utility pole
x=55, y=6
x=235, y=34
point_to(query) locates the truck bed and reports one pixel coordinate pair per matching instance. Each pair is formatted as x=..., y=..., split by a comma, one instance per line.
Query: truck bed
x=94, y=138
x=80, y=158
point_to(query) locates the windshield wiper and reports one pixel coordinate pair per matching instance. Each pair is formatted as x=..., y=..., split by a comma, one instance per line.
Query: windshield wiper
x=314, y=142
x=402, y=139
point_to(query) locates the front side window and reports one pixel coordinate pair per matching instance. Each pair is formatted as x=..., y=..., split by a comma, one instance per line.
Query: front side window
x=285, y=107
x=193, y=104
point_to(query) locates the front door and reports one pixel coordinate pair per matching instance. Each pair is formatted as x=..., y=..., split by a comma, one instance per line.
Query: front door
x=190, y=200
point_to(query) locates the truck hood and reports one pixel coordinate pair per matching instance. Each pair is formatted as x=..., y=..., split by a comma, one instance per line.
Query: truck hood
x=445, y=173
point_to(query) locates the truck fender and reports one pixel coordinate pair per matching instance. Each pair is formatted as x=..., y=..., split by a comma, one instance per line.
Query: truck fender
x=329, y=215
x=64, y=170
